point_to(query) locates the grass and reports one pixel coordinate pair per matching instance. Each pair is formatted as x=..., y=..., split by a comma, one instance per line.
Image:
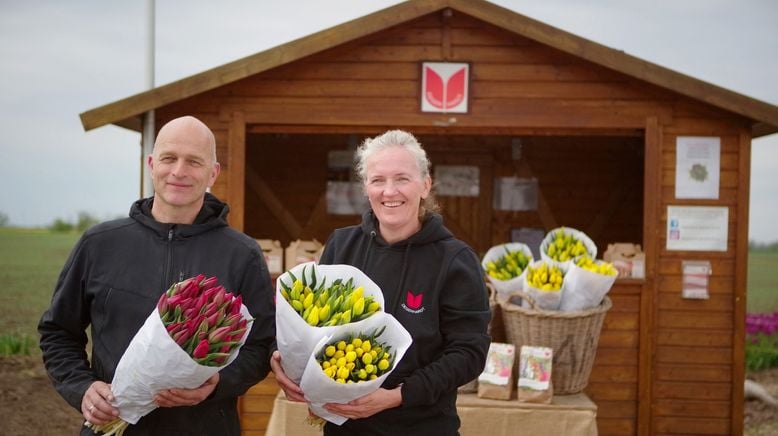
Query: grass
x=31, y=259
x=30, y=262
x=762, y=282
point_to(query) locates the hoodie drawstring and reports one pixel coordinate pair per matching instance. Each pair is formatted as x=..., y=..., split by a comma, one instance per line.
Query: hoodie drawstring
x=398, y=292
x=366, y=257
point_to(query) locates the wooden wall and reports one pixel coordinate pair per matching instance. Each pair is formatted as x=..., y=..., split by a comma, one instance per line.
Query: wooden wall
x=601, y=145
x=698, y=360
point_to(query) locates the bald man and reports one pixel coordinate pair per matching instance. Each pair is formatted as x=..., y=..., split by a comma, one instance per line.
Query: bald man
x=117, y=271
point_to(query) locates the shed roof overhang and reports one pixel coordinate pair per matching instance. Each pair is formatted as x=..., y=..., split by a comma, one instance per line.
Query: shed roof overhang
x=128, y=112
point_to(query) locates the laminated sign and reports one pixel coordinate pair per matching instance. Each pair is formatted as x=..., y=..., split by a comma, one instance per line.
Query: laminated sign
x=444, y=87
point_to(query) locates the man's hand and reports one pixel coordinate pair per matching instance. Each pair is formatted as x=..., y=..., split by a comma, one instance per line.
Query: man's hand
x=96, y=404
x=290, y=388
x=186, y=397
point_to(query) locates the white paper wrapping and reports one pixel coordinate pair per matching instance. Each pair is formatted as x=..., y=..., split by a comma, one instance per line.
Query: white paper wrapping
x=545, y=300
x=296, y=339
x=584, y=289
x=577, y=234
x=506, y=287
x=154, y=362
x=320, y=389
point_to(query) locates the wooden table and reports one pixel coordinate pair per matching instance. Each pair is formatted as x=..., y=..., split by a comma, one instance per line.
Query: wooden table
x=568, y=415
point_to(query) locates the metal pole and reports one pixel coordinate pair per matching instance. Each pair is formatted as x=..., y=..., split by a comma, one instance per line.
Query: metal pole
x=148, y=117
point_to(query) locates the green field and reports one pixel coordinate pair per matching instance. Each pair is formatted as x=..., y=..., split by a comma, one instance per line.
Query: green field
x=30, y=261
x=762, y=281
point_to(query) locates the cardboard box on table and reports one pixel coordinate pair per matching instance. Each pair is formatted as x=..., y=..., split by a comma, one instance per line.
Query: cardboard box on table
x=628, y=259
x=274, y=255
x=301, y=251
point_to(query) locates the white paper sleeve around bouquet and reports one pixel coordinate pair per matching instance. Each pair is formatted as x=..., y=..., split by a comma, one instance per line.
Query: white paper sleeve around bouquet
x=506, y=287
x=584, y=289
x=320, y=389
x=295, y=337
x=544, y=299
x=590, y=246
x=153, y=362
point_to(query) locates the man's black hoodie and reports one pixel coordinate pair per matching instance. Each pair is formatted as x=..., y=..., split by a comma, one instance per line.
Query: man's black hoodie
x=112, y=281
x=433, y=284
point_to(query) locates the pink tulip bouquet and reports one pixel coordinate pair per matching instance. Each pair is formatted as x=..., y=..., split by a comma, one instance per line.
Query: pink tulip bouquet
x=196, y=329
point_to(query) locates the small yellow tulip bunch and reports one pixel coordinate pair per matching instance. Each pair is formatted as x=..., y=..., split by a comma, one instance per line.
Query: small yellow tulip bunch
x=564, y=246
x=599, y=267
x=510, y=265
x=337, y=304
x=356, y=359
x=545, y=277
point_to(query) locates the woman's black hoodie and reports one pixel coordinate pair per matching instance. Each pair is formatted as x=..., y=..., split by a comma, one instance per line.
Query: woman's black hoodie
x=433, y=284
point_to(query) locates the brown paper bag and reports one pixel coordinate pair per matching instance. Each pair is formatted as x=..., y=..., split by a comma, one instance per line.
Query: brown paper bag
x=496, y=381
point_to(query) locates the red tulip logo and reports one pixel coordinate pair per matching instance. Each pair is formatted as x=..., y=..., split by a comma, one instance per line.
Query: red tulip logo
x=442, y=94
x=413, y=301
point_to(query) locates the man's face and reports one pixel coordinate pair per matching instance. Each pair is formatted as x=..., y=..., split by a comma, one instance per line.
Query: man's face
x=182, y=168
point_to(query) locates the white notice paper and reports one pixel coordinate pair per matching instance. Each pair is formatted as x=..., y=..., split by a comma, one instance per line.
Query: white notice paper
x=697, y=228
x=697, y=162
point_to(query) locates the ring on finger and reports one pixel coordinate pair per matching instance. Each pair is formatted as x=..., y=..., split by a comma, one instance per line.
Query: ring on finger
x=91, y=408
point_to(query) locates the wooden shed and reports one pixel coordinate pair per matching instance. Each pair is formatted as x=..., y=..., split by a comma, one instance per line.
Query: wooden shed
x=596, y=128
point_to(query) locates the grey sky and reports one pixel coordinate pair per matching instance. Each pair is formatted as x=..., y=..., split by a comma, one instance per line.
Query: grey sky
x=62, y=58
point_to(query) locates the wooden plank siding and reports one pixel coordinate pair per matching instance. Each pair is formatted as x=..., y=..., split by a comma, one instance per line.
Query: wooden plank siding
x=601, y=145
x=698, y=373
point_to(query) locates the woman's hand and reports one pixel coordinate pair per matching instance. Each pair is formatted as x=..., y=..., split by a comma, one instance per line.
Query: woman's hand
x=290, y=388
x=368, y=405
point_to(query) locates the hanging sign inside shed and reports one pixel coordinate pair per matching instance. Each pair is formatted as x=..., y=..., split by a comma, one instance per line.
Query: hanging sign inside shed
x=444, y=87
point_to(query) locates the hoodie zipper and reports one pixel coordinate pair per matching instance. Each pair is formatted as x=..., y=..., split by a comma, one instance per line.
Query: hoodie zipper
x=169, y=267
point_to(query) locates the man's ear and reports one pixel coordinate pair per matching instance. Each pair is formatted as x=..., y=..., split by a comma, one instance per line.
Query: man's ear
x=217, y=168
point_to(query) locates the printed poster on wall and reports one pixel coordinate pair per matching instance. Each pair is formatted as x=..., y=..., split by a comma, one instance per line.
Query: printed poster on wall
x=697, y=167
x=697, y=228
x=515, y=194
x=457, y=180
x=444, y=87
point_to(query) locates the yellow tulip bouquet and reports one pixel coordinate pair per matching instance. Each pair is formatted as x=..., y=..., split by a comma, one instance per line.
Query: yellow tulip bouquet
x=504, y=266
x=543, y=282
x=563, y=245
x=318, y=304
x=588, y=281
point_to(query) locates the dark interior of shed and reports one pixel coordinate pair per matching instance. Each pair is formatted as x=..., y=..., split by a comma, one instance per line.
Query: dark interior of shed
x=592, y=183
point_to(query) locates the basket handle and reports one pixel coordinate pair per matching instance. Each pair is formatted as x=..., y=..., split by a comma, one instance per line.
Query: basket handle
x=492, y=292
x=525, y=297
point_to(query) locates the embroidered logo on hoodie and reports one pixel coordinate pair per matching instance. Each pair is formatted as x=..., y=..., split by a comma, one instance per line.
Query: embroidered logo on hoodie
x=413, y=303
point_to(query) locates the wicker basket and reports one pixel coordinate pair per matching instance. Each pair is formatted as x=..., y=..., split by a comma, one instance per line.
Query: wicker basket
x=496, y=328
x=572, y=335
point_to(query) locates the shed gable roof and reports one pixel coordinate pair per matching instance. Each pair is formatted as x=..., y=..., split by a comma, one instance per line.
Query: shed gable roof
x=127, y=112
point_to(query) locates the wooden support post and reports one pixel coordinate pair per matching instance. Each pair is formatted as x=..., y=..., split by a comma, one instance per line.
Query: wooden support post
x=652, y=202
x=741, y=283
x=236, y=170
